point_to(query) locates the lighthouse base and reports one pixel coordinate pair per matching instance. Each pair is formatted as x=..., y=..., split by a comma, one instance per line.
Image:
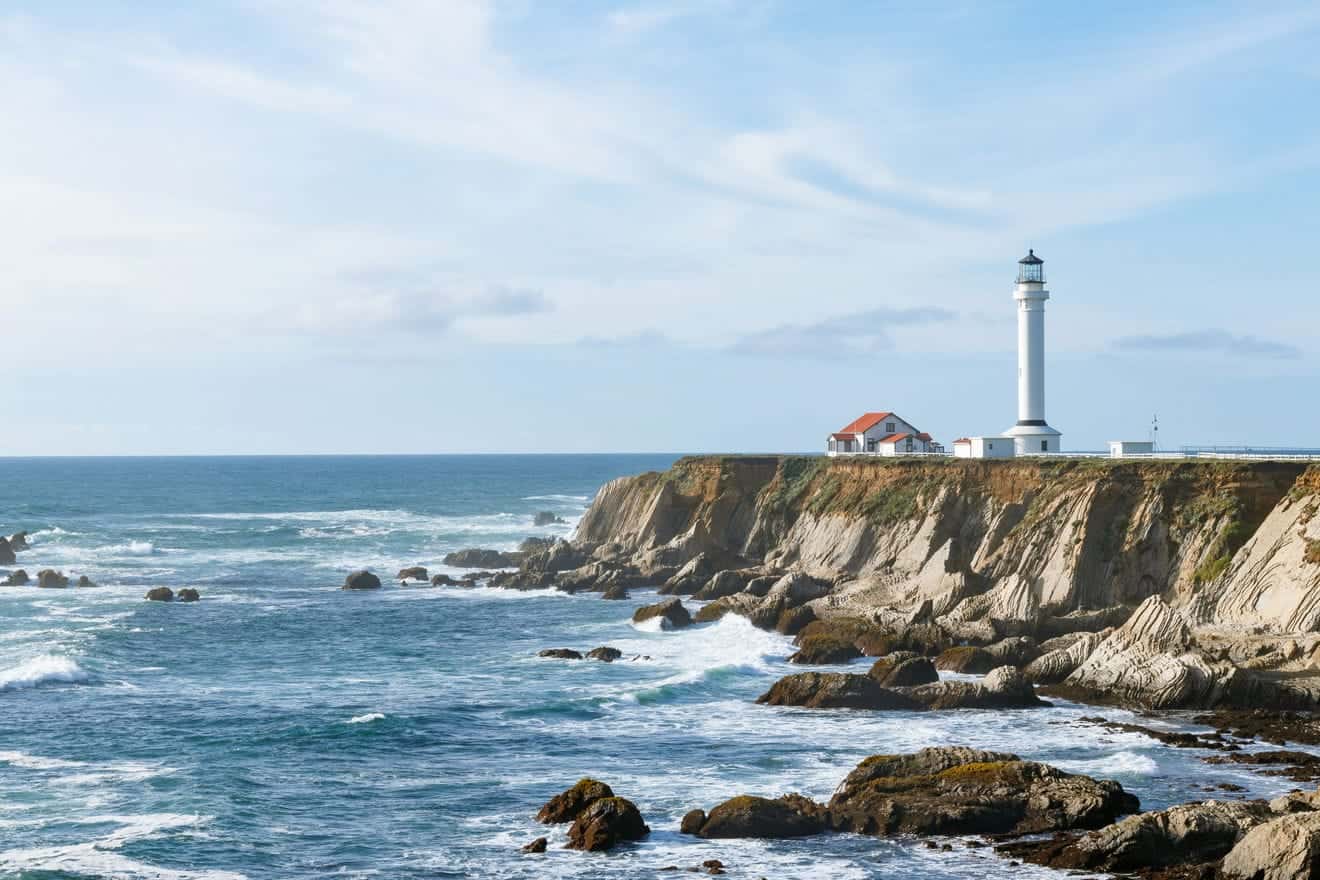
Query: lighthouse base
x=1034, y=438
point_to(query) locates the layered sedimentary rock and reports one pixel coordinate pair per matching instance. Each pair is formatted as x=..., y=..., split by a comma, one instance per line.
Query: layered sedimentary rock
x=1178, y=583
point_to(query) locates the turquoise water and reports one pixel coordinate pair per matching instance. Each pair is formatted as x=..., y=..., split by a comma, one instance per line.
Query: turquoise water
x=282, y=728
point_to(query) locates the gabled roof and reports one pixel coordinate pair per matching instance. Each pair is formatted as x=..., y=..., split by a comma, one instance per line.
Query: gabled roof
x=924, y=436
x=962, y=440
x=842, y=436
x=865, y=423
x=894, y=438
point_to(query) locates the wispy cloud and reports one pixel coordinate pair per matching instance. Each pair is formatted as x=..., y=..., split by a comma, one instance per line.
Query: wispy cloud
x=1218, y=342
x=858, y=333
x=413, y=312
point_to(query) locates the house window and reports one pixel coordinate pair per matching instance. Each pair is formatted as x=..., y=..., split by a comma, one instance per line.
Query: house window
x=890, y=428
x=908, y=445
x=870, y=446
x=990, y=445
x=1044, y=446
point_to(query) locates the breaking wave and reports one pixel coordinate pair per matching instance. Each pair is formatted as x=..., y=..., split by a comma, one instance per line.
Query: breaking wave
x=45, y=669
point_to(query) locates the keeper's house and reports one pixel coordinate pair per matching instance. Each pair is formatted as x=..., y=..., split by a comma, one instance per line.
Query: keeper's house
x=880, y=433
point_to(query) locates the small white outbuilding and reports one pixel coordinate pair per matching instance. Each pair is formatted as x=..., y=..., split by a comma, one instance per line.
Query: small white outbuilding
x=1124, y=448
x=984, y=447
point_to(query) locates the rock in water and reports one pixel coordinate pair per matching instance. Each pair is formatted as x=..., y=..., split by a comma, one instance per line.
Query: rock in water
x=50, y=578
x=692, y=822
x=536, y=846
x=725, y=583
x=160, y=594
x=616, y=592
x=566, y=806
x=605, y=654
x=974, y=661
x=7, y=556
x=834, y=690
x=605, y=823
x=756, y=817
x=17, y=579
x=443, y=580
x=671, y=612
x=1002, y=688
x=188, y=594
x=479, y=558
x=903, y=669
x=953, y=790
x=416, y=573
x=19, y=542
x=546, y=518
x=561, y=654
x=1287, y=848
x=362, y=580
x=85, y=581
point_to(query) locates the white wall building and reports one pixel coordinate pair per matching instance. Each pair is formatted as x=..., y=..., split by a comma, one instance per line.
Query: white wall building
x=1124, y=448
x=1032, y=433
x=985, y=447
x=880, y=433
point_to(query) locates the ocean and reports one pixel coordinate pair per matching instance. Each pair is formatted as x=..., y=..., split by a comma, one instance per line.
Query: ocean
x=283, y=728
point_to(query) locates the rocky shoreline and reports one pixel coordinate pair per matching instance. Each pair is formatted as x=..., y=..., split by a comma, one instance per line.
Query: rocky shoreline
x=1155, y=586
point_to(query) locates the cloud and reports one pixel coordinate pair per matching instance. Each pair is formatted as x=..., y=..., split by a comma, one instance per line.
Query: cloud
x=415, y=311
x=1210, y=342
x=858, y=333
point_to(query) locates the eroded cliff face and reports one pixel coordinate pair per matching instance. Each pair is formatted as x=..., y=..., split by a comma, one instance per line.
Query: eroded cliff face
x=1014, y=538
x=1158, y=583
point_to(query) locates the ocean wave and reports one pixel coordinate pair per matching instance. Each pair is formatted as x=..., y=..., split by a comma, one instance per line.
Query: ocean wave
x=36, y=762
x=367, y=718
x=100, y=857
x=43, y=534
x=576, y=499
x=1125, y=763
x=45, y=669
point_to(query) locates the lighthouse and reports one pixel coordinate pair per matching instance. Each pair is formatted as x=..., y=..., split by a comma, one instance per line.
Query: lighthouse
x=1031, y=434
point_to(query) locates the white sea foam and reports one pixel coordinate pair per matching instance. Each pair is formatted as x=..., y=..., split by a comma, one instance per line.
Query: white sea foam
x=575, y=499
x=367, y=718
x=100, y=857
x=44, y=669
x=1118, y=764
x=36, y=762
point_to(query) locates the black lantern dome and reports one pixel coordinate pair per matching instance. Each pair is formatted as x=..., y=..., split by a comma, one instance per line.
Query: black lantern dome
x=1031, y=268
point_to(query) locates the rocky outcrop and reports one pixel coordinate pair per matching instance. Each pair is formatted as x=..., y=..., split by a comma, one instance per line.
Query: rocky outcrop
x=1003, y=688
x=1188, y=834
x=160, y=594
x=1287, y=848
x=547, y=518
x=560, y=654
x=415, y=573
x=903, y=669
x=994, y=556
x=953, y=790
x=605, y=823
x=600, y=819
x=188, y=594
x=757, y=817
x=1149, y=661
x=51, y=579
x=7, y=556
x=670, y=612
x=970, y=660
x=835, y=690
x=17, y=578
x=565, y=806
x=482, y=558
x=604, y=654
x=18, y=542
x=361, y=580
x=539, y=845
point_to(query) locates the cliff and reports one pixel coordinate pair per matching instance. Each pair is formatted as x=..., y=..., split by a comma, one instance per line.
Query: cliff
x=988, y=549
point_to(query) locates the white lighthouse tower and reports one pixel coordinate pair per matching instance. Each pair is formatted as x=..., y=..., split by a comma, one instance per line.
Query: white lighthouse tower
x=1032, y=434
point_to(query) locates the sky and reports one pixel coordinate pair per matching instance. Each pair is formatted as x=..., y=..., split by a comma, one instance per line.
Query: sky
x=415, y=226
